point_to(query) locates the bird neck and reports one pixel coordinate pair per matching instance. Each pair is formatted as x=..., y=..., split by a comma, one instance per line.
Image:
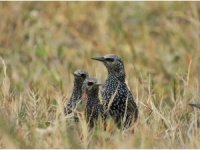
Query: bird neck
x=77, y=90
x=119, y=75
x=93, y=94
x=92, y=99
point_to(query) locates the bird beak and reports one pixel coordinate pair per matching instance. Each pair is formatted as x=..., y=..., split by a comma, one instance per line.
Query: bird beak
x=76, y=74
x=195, y=105
x=98, y=58
x=98, y=84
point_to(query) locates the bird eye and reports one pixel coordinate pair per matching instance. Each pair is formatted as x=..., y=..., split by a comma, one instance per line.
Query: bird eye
x=109, y=59
x=83, y=75
x=90, y=83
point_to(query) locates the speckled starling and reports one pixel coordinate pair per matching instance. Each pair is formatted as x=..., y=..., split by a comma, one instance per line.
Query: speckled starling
x=93, y=108
x=79, y=78
x=118, y=101
x=195, y=105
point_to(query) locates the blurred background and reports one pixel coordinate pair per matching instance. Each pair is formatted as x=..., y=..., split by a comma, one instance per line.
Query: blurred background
x=42, y=43
x=156, y=38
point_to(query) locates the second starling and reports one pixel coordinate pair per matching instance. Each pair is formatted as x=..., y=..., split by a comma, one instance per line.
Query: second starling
x=93, y=108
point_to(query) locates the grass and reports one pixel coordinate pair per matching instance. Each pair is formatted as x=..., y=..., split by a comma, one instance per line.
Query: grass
x=42, y=43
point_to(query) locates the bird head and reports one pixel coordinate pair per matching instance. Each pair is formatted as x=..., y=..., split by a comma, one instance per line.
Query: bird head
x=113, y=63
x=80, y=75
x=90, y=86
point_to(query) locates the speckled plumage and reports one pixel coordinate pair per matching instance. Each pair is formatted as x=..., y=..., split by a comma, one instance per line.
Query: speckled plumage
x=116, y=94
x=79, y=78
x=93, y=108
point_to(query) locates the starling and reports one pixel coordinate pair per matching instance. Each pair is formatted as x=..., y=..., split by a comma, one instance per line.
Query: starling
x=79, y=78
x=195, y=105
x=93, y=108
x=118, y=101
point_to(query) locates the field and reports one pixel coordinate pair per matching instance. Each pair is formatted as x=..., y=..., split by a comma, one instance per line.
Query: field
x=42, y=43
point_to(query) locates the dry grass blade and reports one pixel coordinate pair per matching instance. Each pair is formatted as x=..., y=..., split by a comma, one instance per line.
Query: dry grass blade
x=6, y=81
x=112, y=99
x=125, y=113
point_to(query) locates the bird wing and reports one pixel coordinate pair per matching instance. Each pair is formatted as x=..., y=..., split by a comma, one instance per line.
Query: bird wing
x=132, y=107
